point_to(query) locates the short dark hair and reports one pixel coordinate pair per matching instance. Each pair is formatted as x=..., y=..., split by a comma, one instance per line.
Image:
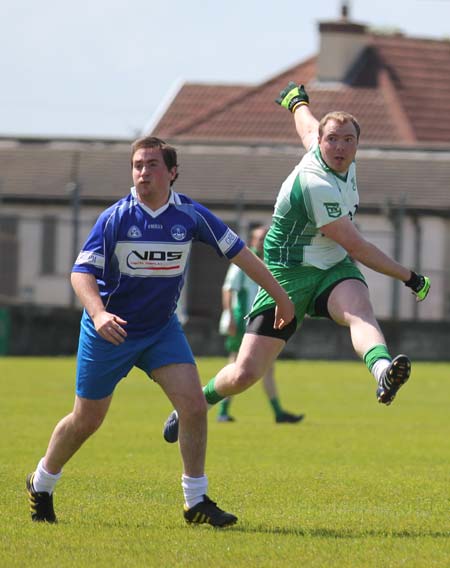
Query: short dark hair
x=341, y=117
x=169, y=153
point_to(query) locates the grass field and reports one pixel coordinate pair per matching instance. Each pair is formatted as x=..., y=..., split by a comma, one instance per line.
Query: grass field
x=356, y=484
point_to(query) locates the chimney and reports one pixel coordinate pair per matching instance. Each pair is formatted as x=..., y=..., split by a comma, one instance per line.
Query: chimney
x=341, y=43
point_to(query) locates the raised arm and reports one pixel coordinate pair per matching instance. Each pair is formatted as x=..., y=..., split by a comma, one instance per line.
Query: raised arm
x=295, y=99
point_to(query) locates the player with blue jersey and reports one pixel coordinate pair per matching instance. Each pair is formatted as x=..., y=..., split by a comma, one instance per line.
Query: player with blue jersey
x=128, y=277
x=310, y=248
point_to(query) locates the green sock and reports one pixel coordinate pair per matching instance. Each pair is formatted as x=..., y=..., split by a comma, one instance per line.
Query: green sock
x=374, y=354
x=212, y=397
x=275, y=403
x=223, y=407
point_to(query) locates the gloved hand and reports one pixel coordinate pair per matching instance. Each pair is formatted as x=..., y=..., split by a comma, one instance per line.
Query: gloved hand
x=420, y=285
x=293, y=96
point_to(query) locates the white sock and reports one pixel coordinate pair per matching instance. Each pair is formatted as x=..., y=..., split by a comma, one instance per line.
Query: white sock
x=193, y=489
x=43, y=480
x=379, y=367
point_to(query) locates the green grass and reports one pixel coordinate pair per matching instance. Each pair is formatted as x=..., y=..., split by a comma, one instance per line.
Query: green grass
x=356, y=484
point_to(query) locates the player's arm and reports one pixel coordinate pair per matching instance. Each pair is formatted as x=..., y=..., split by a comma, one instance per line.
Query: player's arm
x=227, y=296
x=295, y=99
x=347, y=235
x=108, y=325
x=258, y=272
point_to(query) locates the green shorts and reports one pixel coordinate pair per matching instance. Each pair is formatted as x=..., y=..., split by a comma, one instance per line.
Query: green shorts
x=305, y=284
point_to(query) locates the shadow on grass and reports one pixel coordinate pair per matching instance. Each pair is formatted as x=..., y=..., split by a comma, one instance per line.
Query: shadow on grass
x=332, y=533
x=291, y=531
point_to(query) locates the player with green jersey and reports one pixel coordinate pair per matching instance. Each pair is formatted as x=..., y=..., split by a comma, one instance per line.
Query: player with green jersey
x=311, y=249
x=296, y=251
x=312, y=196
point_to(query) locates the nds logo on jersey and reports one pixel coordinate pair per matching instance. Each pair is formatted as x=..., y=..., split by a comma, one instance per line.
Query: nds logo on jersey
x=333, y=209
x=134, y=232
x=178, y=232
x=154, y=259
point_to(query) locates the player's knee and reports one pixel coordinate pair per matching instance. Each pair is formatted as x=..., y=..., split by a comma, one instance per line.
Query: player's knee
x=86, y=425
x=196, y=409
x=244, y=377
x=200, y=407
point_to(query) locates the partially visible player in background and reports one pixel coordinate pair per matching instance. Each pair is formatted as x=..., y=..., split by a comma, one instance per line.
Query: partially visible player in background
x=310, y=248
x=238, y=293
x=128, y=277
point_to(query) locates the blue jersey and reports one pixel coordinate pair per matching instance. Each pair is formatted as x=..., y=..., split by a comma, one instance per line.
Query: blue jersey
x=139, y=256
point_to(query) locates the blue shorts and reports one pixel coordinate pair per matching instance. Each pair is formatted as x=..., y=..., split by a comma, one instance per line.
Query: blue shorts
x=101, y=365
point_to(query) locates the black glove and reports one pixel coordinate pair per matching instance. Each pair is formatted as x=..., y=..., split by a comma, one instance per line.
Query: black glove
x=420, y=285
x=292, y=97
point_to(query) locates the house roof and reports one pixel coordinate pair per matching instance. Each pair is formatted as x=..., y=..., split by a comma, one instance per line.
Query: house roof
x=235, y=143
x=419, y=71
x=399, y=90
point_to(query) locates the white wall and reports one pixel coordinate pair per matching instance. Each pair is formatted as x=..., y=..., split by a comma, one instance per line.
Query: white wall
x=380, y=231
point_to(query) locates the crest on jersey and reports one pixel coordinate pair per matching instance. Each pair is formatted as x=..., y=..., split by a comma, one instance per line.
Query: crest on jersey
x=333, y=209
x=178, y=232
x=134, y=232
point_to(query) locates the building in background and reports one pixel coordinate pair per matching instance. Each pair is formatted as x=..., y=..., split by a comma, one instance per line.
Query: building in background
x=398, y=88
x=235, y=148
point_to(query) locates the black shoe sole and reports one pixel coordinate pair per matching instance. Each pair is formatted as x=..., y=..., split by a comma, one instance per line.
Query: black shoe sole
x=399, y=372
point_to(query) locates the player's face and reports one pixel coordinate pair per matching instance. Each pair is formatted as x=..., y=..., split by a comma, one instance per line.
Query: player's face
x=150, y=174
x=338, y=145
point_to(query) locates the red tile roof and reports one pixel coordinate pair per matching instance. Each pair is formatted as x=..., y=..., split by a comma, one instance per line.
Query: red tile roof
x=194, y=101
x=400, y=94
x=419, y=70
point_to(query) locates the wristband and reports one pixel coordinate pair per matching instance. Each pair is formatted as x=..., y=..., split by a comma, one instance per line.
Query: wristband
x=413, y=281
x=298, y=105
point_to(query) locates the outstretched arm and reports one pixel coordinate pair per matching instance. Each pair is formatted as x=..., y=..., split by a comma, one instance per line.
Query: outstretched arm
x=295, y=99
x=347, y=235
x=255, y=268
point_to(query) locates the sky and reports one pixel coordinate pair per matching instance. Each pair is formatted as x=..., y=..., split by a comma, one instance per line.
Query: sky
x=106, y=68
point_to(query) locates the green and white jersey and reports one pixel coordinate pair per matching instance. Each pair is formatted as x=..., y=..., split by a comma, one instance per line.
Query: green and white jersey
x=313, y=195
x=243, y=289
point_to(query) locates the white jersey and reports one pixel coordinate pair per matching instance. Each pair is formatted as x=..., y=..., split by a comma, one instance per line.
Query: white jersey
x=313, y=195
